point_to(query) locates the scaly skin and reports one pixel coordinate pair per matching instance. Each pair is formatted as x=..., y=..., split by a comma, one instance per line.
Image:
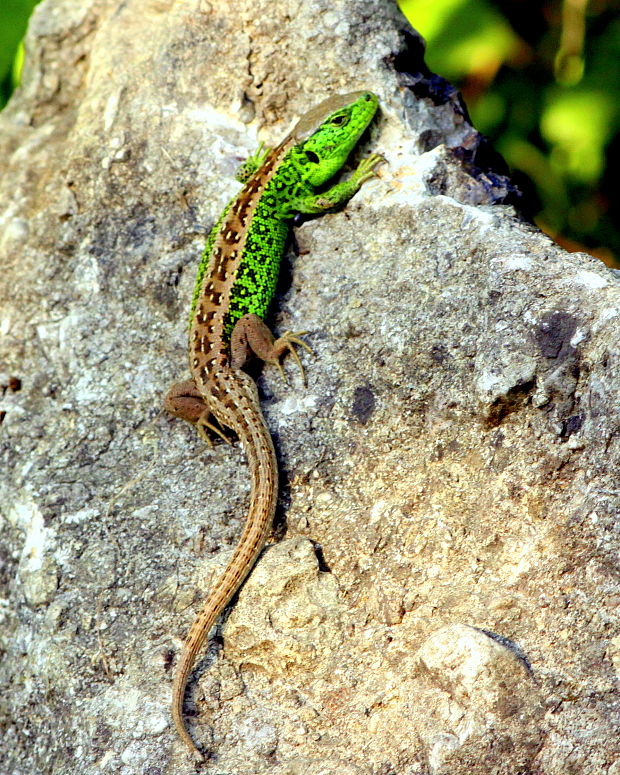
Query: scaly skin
x=235, y=284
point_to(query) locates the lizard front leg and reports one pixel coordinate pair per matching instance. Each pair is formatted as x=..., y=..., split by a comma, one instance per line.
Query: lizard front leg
x=252, y=335
x=336, y=196
x=252, y=163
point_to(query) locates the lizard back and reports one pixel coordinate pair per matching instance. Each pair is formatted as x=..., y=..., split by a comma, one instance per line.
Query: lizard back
x=233, y=272
x=240, y=264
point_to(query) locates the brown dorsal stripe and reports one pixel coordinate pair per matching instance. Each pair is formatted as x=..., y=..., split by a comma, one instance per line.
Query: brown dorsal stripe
x=226, y=255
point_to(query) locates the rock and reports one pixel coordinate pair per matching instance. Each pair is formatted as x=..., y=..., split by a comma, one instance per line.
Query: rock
x=444, y=598
x=476, y=698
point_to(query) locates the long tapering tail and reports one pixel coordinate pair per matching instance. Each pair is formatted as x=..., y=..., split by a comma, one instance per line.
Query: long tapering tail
x=243, y=415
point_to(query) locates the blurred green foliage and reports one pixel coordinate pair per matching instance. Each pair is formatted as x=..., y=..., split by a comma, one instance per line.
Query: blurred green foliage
x=542, y=81
x=14, y=15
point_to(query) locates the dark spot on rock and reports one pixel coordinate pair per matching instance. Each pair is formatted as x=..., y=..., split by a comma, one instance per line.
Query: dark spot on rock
x=439, y=353
x=605, y=359
x=429, y=139
x=168, y=659
x=554, y=333
x=102, y=735
x=363, y=404
x=437, y=181
x=13, y=385
x=510, y=402
x=572, y=425
x=174, y=277
x=318, y=552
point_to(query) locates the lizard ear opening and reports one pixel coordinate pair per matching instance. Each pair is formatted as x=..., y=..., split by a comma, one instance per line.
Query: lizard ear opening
x=312, y=157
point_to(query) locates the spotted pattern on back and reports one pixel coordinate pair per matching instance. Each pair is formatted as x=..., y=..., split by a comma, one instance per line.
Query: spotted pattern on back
x=217, y=274
x=241, y=261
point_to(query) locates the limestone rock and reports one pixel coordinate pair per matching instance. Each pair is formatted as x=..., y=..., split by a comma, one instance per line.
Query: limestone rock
x=444, y=596
x=481, y=701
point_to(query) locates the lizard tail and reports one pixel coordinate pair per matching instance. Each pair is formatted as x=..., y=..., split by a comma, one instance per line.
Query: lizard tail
x=245, y=418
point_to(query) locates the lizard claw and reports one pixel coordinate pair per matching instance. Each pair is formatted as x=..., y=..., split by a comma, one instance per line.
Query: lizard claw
x=202, y=423
x=366, y=168
x=286, y=344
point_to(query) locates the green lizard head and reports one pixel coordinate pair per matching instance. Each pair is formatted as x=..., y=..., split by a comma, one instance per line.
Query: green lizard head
x=326, y=135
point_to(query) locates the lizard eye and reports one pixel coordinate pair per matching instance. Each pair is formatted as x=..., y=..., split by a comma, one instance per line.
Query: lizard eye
x=339, y=120
x=311, y=155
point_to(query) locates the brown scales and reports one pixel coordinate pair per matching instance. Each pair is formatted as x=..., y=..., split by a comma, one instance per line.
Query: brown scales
x=221, y=390
x=224, y=262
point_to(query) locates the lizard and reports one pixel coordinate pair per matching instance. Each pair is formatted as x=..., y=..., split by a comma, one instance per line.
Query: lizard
x=235, y=283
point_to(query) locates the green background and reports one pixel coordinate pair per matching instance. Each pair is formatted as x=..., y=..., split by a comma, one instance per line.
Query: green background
x=13, y=20
x=540, y=79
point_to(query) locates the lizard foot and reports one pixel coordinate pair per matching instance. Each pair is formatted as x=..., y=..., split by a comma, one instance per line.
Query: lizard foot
x=286, y=344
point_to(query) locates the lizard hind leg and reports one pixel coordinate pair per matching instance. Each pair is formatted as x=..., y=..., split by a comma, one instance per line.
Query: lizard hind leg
x=252, y=335
x=185, y=401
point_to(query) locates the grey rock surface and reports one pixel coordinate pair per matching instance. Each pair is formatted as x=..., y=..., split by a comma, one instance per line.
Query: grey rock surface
x=443, y=595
